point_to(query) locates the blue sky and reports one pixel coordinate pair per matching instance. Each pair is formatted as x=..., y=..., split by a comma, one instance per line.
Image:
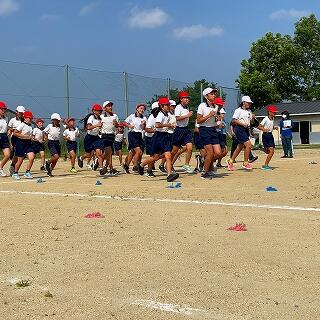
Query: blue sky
x=183, y=40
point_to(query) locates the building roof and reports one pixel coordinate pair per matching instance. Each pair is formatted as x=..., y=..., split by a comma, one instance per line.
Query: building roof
x=294, y=108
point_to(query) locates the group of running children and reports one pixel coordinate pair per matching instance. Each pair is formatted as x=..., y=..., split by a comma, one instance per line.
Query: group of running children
x=164, y=135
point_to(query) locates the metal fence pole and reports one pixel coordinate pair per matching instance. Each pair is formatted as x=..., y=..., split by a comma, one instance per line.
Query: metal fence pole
x=126, y=93
x=201, y=90
x=168, y=87
x=67, y=90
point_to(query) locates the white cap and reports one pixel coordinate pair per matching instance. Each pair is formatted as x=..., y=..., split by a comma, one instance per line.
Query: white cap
x=21, y=109
x=106, y=103
x=55, y=116
x=207, y=91
x=246, y=99
x=155, y=105
x=172, y=103
x=222, y=111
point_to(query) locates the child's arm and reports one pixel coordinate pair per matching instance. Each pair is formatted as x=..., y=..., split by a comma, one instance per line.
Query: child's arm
x=201, y=118
x=18, y=134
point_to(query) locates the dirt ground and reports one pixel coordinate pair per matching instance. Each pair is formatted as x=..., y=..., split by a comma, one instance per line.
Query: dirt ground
x=162, y=253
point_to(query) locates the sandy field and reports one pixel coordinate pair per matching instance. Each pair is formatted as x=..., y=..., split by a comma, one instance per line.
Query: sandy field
x=162, y=253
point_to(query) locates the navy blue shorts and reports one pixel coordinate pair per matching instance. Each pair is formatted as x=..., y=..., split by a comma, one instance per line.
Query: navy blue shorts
x=54, y=147
x=135, y=140
x=72, y=146
x=181, y=136
x=197, y=141
x=23, y=146
x=117, y=146
x=223, y=140
x=37, y=146
x=241, y=133
x=108, y=140
x=91, y=143
x=209, y=135
x=161, y=143
x=148, y=141
x=268, y=140
x=4, y=141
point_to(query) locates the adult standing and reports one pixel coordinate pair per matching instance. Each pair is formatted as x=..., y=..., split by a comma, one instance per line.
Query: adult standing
x=286, y=134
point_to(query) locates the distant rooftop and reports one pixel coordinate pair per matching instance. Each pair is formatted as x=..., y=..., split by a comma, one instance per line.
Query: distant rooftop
x=294, y=108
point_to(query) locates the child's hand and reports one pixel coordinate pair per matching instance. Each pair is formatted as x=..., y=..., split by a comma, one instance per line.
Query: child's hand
x=212, y=113
x=190, y=114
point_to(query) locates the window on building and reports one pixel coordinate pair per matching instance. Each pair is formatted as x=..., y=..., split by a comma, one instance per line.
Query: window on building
x=315, y=126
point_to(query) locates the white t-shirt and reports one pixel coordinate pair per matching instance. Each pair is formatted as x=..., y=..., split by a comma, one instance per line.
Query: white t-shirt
x=3, y=125
x=71, y=134
x=172, y=120
x=93, y=121
x=13, y=123
x=52, y=132
x=163, y=119
x=243, y=116
x=108, y=124
x=181, y=111
x=136, y=122
x=267, y=123
x=204, y=110
x=25, y=129
x=151, y=124
x=37, y=134
x=119, y=137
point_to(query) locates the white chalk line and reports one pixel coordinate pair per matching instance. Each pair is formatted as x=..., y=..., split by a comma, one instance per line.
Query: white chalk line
x=166, y=200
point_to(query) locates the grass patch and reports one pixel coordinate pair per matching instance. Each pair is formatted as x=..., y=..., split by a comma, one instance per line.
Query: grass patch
x=23, y=283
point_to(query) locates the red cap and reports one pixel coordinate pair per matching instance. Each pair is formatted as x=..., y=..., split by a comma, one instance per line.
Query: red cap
x=96, y=107
x=184, y=94
x=39, y=120
x=121, y=124
x=3, y=105
x=28, y=114
x=219, y=101
x=163, y=100
x=69, y=119
x=273, y=109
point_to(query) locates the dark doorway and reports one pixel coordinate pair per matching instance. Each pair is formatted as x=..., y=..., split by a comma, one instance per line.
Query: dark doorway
x=304, y=131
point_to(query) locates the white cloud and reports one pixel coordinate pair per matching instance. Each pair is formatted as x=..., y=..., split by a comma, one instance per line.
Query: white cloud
x=148, y=19
x=88, y=8
x=50, y=17
x=288, y=14
x=196, y=32
x=8, y=6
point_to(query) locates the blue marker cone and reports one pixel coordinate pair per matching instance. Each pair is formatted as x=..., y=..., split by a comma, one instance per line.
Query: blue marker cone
x=98, y=183
x=271, y=189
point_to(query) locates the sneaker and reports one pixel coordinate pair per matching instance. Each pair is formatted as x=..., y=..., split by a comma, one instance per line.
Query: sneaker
x=42, y=168
x=126, y=168
x=80, y=162
x=2, y=173
x=15, y=176
x=11, y=170
x=135, y=169
x=95, y=164
x=150, y=174
x=211, y=173
x=73, y=170
x=103, y=171
x=247, y=166
x=28, y=175
x=206, y=176
x=291, y=156
x=48, y=168
x=196, y=170
x=162, y=168
x=264, y=167
x=114, y=172
x=187, y=168
x=230, y=165
x=89, y=166
x=140, y=170
x=285, y=156
x=253, y=159
x=172, y=176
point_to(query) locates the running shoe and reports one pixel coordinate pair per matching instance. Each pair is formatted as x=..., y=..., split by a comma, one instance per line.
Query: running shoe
x=253, y=159
x=48, y=168
x=73, y=170
x=187, y=168
x=266, y=168
x=95, y=164
x=196, y=170
x=126, y=168
x=140, y=170
x=103, y=171
x=2, y=173
x=114, y=172
x=150, y=174
x=247, y=166
x=42, y=168
x=11, y=170
x=211, y=173
x=172, y=176
x=15, y=176
x=206, y=176
x=135, y=169
x=80, y=162
x=162, y=168
x=28, y=175
x=230, y=165
x=285, y=156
